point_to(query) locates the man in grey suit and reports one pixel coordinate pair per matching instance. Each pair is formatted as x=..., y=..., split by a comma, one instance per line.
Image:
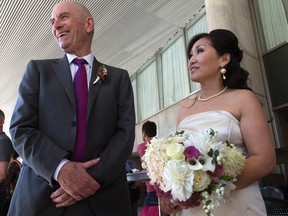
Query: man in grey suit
x=44, y=128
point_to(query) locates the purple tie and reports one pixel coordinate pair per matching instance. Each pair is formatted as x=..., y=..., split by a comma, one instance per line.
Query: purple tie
x=81, y=94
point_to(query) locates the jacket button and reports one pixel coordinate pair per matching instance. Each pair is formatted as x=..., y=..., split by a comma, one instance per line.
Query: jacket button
x=74, y=123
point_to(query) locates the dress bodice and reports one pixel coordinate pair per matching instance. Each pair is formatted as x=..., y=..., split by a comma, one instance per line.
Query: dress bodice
x=247, y=201
x=227, y=126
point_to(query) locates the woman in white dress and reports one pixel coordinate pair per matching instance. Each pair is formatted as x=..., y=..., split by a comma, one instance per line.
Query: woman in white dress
x=226, y=104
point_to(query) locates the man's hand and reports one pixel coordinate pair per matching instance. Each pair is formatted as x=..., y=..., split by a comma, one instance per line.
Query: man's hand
x=62, y=198
x=3, y=170
x=137, y=185
x=76, y=184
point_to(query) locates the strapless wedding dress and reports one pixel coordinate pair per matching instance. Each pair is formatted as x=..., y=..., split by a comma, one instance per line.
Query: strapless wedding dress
x=244, y=202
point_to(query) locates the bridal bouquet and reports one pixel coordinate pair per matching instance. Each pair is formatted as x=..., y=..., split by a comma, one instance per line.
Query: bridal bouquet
x=193, y=169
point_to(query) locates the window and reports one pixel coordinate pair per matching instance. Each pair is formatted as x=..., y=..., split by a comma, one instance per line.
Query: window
x=165, y=80
x=198, y=26
x=272, y=19
x=147, y=92
x=174, y=73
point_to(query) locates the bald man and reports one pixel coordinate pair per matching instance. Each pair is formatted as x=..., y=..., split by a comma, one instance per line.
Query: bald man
x=54, y=179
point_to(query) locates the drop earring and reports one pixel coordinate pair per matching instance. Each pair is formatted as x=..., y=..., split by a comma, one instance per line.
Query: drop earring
x=223, y=71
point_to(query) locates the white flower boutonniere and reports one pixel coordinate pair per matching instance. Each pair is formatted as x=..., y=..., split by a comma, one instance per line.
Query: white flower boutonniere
x=101, y=74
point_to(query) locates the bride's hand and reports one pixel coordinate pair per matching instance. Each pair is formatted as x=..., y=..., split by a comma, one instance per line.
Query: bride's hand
x=168, y=207
x=183, y=206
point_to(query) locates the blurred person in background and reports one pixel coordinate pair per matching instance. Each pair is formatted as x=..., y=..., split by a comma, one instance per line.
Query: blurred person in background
x=6, y=150
x=151, y=205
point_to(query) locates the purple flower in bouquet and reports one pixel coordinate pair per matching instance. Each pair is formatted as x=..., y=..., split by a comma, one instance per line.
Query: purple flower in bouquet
x=191, y=151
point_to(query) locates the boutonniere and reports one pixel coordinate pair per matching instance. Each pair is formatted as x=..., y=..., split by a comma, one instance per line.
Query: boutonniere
x=101, y=74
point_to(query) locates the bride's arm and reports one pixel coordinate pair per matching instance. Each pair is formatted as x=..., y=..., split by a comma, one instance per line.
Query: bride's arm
x=257, y=138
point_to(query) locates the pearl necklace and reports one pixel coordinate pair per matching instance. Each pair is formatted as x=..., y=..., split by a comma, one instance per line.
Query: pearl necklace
x=212, y=96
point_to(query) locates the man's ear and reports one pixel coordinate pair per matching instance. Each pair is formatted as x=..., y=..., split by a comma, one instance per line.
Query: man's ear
x=90, y=24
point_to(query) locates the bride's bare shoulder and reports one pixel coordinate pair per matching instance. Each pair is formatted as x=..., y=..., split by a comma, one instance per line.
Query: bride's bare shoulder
x=187, y=102
x=184, y=108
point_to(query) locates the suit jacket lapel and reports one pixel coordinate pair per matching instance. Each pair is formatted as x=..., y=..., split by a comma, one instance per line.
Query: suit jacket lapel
x=62, y=71
x=93, y=88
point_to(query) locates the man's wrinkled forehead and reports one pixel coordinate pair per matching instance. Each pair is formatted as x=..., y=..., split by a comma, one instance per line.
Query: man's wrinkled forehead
x=61, y=8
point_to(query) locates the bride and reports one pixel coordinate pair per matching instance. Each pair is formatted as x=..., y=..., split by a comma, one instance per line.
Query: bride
x=226, y=104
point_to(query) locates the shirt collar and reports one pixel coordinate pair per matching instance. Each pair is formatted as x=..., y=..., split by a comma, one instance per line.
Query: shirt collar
x=89, y=58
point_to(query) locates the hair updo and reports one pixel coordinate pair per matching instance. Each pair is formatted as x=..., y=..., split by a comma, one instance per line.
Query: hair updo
x=224, y=41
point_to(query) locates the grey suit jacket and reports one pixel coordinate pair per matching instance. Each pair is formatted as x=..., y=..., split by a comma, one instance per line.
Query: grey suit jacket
x=43, y=130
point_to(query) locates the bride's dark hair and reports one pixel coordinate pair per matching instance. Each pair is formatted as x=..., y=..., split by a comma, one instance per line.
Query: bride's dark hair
x=224, y=41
